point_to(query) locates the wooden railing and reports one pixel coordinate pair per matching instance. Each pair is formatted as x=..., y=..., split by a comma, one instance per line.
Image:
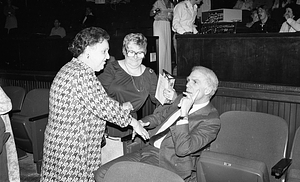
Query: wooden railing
x=266, y=58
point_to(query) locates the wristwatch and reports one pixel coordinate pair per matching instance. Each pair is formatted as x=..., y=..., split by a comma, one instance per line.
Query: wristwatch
x=183, y=118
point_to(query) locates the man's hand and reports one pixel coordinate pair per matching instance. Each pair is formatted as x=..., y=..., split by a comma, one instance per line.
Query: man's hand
x=143, y=124
x=138, y=127
x=170, y=94
x=187, y=102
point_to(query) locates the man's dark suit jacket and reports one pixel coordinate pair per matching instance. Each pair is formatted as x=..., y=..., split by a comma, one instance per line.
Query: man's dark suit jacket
x=184, y=143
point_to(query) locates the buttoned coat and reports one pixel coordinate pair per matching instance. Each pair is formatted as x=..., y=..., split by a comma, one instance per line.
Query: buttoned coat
x=182, y=146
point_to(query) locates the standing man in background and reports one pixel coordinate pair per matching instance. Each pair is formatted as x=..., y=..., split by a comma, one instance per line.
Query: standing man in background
x=184, y=14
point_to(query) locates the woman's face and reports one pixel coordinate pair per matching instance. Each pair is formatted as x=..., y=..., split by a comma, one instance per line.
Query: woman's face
x=288, y=13
x=98, y=54
x=134, y=55
x=262, y=14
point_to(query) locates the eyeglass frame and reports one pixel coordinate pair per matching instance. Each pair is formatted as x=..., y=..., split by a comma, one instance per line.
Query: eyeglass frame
x=135, y=53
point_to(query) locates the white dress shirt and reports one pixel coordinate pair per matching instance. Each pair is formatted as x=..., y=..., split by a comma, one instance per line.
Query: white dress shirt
x=184, y=17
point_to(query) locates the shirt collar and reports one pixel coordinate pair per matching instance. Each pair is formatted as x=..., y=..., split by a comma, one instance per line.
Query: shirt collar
x=197, y=107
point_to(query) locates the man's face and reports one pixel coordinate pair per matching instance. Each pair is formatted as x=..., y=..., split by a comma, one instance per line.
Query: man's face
x=196, y=82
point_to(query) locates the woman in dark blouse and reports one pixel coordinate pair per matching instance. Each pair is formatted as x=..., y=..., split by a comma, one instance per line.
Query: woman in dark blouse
x=128, y=80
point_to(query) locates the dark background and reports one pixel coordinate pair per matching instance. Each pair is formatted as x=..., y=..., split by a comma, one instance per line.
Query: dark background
x=37, y=16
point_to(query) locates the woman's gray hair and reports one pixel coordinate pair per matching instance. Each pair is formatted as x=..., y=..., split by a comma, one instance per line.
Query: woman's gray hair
x=137, y=38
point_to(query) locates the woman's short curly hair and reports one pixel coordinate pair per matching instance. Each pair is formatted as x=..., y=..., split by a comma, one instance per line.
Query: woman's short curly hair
x=86, y=37
x=137, y=38
x=295, y=9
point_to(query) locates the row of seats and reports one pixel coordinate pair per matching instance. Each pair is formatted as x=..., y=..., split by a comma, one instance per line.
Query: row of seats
x=248, y=147
x=29, y=116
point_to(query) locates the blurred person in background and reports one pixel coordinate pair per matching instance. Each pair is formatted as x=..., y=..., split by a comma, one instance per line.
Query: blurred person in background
x=9, y=11
x=265, y=24
x=292, y=16
x=162, y=11
x=58, y=30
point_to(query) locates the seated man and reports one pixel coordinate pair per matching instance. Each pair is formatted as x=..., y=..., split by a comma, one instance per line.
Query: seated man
x=191, y=124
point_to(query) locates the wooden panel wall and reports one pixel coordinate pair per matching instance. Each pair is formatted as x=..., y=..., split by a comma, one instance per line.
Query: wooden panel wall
x=277, y=100
x=253, y=58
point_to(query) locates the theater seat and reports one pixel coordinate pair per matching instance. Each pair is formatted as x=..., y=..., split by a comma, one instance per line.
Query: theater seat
x=29, y=125
x=16, y=95
x=293, y=174
x=248, y=145
x=127, y=171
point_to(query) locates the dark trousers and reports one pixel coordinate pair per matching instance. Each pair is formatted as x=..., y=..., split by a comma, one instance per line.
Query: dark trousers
x=148, y=155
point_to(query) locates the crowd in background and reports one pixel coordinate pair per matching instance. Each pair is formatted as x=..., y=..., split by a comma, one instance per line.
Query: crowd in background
x=38, y=16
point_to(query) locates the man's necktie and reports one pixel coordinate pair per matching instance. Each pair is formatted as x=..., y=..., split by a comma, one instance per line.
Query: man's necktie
x=161, y=134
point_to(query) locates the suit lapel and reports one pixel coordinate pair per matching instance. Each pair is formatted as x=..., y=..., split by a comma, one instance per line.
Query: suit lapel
x=203, y=112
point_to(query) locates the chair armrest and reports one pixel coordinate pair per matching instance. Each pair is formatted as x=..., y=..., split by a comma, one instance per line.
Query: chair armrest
x=280, y=167
x=38, y=117
x=14, y=111
x=229, y=168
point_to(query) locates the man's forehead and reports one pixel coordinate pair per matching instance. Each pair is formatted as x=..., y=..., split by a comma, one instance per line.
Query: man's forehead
x=195, y=75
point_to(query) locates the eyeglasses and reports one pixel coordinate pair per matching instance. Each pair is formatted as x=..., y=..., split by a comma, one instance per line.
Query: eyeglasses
x=140, y=54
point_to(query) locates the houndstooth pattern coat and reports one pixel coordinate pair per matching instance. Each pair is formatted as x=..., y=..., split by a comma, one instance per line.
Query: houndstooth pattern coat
x=78, y=110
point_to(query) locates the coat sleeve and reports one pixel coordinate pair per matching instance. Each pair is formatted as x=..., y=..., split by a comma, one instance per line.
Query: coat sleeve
x=93, y=96
x=294, y=24
x=188, y=142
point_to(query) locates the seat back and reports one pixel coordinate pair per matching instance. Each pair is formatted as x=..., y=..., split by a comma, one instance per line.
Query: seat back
x=253, y=136
x=29, y=132
x=294, y=169
x=36, y=103
x=127, y=171
x=16, y=95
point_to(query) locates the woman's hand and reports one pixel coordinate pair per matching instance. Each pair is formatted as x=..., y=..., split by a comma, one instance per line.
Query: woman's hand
x=138, y=127
x=127, y=106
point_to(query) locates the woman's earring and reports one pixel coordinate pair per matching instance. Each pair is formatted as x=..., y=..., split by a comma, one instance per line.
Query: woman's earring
x=88, y=56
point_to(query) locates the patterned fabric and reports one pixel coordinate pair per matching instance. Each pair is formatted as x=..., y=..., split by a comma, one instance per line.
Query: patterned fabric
x=12, y=159
x=11, y=151
x=5, y=103
x=78, y=110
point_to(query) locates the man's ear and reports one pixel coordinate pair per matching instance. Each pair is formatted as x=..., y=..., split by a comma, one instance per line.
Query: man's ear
x=207, y=91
